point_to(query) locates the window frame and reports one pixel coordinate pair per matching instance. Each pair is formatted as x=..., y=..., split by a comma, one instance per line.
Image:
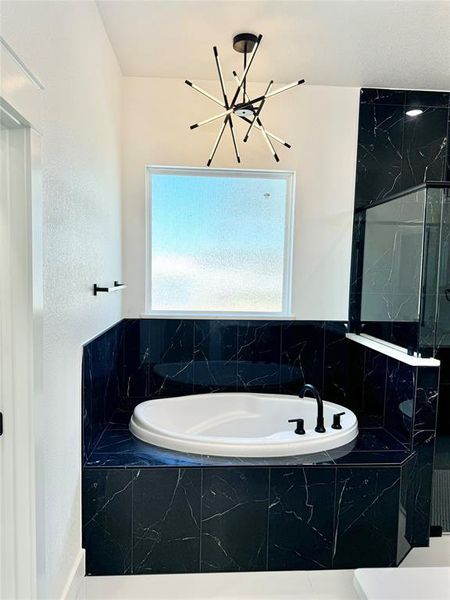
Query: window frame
x=289, y=176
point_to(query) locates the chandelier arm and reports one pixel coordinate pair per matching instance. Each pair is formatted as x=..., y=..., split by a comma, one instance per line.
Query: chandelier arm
x=274, y=93
x=286, y=88
x=233, y=137
x=244, y=74
x=216, y=144
x=269, y=143
x=257, y=112
x=259, y=124
x=207, y=94
x=222, y=82
x=244, y=88
x=211, y=119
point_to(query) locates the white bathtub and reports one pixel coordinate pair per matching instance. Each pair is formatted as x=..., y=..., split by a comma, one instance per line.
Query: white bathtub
x=240, y=424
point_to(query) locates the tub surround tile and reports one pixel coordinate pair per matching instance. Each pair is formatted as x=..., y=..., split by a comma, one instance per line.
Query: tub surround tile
x=301, y=518
x=135, y=355
x=366, y=516
x=423, y=445
x=372, y=459
x=258, y=355
x=215, y=356
x=100, y=383
x=318, y=458
x=170, y=347
x=234, y=519
x=302, y=355
x=426, y=399
x=374, y=385
x=166, y=521
x=119, y=448
x=150, y=510
x=406, y=515
x=343, y=369
x=107, y=502
x=400, y=396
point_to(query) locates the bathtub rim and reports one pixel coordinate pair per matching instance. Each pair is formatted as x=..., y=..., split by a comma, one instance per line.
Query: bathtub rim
x=241, y=446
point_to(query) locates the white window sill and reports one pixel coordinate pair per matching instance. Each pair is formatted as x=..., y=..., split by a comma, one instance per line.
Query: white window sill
x=218, y=316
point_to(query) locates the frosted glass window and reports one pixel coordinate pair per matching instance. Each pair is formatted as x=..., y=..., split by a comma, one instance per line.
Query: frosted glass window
x=219, y=241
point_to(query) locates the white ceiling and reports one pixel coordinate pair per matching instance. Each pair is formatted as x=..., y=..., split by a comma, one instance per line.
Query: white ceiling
x=386, y=43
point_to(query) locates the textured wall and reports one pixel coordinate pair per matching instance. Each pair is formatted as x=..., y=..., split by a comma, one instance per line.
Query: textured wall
x=65, y=44
x=321, y=124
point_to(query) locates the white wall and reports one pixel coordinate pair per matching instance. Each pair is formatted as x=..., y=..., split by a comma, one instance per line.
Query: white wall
x=64, y=43
x=320, y=122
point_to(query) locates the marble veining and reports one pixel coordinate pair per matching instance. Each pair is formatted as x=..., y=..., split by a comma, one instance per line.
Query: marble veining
x=301, y=518
x=366, y=517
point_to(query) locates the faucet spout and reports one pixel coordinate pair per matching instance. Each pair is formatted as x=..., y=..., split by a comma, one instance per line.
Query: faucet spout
x=308, y=387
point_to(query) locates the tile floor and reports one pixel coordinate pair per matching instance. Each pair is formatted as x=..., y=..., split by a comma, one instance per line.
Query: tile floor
x=292, y=585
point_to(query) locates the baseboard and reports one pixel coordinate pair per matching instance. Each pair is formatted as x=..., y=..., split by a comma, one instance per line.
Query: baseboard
x=74, y=581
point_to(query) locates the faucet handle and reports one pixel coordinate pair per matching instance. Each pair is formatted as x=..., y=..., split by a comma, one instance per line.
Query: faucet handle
x=300, y=429
x=337, y=420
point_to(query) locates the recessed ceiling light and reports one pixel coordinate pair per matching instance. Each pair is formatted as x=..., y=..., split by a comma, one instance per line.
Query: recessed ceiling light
x=414, y=112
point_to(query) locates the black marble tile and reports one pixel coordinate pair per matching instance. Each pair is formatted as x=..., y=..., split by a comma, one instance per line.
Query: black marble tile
x=376, y=440
x=215, y=356
x=447, y=173
x=318, y=458
x=343, y=368
x=400, y=397
x=301, y=516
x=135, y=363
x=356, y=270
x=374, y=383
x=380, y=458
x=424, y=147
x=366, y=517
x=119, y=448
x=415, y=98
x=234, y=519
x=406, y=507
x=100, y=383
x=107, y=500
x=423, y=445
x=259, y=347
x=379, y=160
x=166, y=521
x=427, y=394
x=382, y=96
x=169, y=344
x=302, y=353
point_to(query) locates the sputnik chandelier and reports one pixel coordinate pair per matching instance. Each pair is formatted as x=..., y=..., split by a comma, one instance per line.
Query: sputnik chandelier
x=242, y=106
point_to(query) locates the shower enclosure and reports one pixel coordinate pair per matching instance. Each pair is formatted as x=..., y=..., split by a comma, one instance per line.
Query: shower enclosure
x=400, y=294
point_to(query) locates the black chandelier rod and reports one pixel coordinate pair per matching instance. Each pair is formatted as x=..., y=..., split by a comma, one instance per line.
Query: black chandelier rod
x=249, y=103
x=247, y=68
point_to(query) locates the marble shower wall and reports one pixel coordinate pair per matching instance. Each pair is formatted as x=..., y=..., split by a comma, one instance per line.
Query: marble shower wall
x=397, y=152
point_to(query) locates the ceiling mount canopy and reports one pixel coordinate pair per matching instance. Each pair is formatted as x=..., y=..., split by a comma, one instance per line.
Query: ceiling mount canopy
x=242, y=105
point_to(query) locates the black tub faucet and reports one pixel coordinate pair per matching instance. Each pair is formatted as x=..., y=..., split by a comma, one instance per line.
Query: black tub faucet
x=308, y=387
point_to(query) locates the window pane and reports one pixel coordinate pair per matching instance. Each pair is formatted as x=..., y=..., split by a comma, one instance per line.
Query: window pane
x=217, y=243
